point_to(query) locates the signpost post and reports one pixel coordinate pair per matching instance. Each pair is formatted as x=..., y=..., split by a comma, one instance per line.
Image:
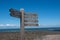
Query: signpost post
x=22, y=24
x=26, y=19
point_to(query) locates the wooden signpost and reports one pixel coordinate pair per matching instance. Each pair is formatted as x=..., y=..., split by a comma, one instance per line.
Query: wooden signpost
x=29, y=18
x=31, y=24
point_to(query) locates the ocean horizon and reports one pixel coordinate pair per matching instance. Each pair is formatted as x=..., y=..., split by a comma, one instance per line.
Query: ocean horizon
x=30, y=29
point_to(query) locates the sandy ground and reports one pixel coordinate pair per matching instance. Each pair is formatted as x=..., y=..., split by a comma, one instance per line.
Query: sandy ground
x=31, y=35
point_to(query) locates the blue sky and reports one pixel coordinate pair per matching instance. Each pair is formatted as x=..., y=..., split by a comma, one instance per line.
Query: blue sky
x=48, y=10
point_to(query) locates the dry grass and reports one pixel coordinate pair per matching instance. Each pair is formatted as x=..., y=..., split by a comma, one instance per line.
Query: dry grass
x=31, y=35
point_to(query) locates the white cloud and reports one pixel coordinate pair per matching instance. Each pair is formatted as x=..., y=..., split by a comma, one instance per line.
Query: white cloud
x=39, y=24
x=8, y=25
x=17, y=26
x=44, y=25
x=1, y=25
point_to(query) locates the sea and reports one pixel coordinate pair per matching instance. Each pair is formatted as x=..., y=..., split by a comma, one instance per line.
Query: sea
x=30, y=29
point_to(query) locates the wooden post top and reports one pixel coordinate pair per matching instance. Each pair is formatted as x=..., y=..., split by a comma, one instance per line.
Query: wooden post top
x=21, y=10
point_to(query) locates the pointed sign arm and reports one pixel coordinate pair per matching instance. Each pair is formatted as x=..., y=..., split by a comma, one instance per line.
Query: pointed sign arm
x=15, y=13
